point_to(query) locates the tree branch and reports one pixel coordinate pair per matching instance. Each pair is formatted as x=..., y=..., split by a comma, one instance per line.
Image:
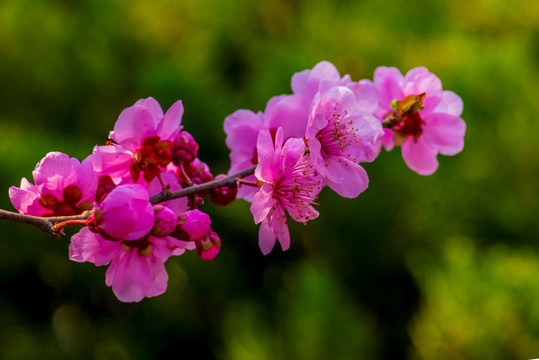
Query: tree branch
x=47, y=224
x=229, y=181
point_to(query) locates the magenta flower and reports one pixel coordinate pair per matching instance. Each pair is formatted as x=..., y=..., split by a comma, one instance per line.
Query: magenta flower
x=136, y=242
x=63, y=186
x=290, y=112
x=144, y=138
x=136, y=268
x=339, y=136
x=289, y=183
x=428, y=118
x=125, y=214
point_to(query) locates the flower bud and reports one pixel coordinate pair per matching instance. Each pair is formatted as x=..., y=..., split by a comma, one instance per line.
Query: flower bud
x=165, y=221
x=184, y=150
x=224, y=195
x=192, y=225
x=208, y=246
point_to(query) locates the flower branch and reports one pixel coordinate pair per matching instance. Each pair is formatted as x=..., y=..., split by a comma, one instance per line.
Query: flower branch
x=229, y=181
x=45, y=224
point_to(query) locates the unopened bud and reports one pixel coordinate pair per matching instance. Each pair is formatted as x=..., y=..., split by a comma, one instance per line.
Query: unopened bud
x=192, y=225
x=224, y=195
x=165, y=221
x=208, y=246
x=185, y=149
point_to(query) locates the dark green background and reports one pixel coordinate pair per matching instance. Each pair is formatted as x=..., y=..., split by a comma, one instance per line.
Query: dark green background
x=438, y=267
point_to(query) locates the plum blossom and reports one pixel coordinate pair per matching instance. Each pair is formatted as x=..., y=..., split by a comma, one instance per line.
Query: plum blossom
x=133, y=237
x=287, y=111
x=339, y=136
x=427, y=117
x=289, y=183
x=143, y=141
x=63, y=186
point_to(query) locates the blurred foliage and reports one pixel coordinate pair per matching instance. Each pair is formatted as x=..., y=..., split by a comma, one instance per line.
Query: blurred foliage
x=374, y=277
x=477, y=304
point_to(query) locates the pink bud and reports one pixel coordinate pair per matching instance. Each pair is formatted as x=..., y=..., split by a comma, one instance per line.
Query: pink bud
x=165, y=221
x=184, y=150
x=198, y=173
x=224, y=195
x=208, y=246
x=192, y=225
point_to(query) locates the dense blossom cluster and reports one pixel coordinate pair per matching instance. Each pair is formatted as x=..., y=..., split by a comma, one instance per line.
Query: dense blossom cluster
x=319, y=135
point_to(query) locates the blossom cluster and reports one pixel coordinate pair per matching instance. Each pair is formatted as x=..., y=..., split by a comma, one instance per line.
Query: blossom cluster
x=319, y=135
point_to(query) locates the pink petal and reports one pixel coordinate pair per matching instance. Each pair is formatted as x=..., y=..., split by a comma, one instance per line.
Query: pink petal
x=445, y=133
x=51, y=172
x=242, y=128
x=347, y=179
x=292, y=151
x=388, y=83
x=88, y=246
x=87, y=180
x=25, y=199
x=263, y=202
x=280, y=228
x=451, y=104
x=153, y=106
x=111, y=160
x=307, y=82
x=266, y=237
x=419, y=156
x=366, y=96
x=290, y=113
x=170, y=125
x=134, y=277
x=135, y=124
x=264, y=143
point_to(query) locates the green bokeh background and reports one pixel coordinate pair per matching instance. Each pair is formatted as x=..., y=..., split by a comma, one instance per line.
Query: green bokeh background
x=437, y=267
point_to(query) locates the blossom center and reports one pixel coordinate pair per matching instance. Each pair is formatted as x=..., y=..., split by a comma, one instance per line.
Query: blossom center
x=152, y=155
x=407, y=118
x=297, y=190
x=143, y=246
x=339, y=136
x=68, y=206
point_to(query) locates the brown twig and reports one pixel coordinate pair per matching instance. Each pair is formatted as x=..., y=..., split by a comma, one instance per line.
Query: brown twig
x=45, y=224
x=229, y=181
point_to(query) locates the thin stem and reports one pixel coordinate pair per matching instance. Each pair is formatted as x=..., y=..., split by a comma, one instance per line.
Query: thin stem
x=229, y=181
x=45, y=224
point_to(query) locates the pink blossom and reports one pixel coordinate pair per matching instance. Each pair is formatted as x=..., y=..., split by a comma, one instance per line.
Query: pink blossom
x=290, y=112
x=125, y=214
x=144, y=137
x=428, y=117
x=289, y=183
x=63, y=186
x=136, y=268
x=137, y=260
x=340, y=135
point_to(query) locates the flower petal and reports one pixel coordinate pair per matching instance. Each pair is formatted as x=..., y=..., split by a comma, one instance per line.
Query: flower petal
x=419, y=156
x=88, y=246
x=266, y=237
x=388, y=82
x=134, y=277
x=170, y=125
x=445, y=133
x=348, y=178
